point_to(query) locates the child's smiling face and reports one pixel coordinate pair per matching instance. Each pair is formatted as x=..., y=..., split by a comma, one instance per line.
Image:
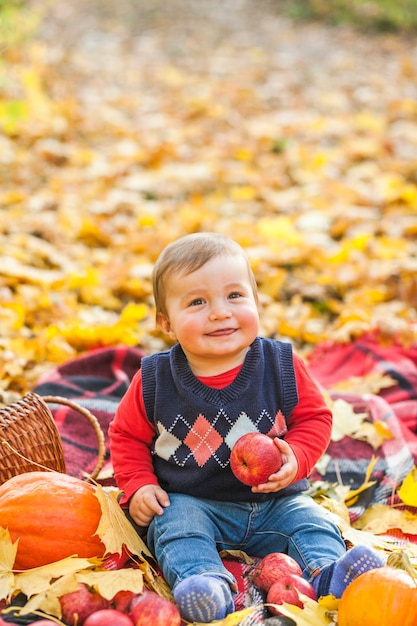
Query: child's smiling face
x=213, y=313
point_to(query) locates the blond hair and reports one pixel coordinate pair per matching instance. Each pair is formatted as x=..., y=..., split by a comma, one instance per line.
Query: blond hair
x=190, y=253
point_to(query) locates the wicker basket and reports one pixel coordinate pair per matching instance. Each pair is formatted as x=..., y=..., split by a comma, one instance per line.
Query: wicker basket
x=29, y=436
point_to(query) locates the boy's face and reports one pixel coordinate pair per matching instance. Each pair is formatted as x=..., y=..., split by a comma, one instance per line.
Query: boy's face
x=212, y=313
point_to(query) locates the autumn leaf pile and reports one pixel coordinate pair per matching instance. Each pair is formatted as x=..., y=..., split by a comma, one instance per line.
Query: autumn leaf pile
x=125, y=125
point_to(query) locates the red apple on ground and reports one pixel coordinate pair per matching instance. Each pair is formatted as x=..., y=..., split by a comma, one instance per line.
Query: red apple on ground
x=254, y=457
x=122, y=599
x=108, y=617
x=78, y=605
x=149, y=608
x=273, y=567
x=286, y=589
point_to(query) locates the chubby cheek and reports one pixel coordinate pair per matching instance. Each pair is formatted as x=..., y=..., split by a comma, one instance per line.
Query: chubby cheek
x=249, y=321
x=188, y=329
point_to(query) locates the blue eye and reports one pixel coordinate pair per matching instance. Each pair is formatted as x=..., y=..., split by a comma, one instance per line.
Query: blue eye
x=234, y=295
x=197, y=302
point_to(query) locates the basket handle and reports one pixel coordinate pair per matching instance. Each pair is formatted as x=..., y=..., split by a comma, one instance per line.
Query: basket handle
x=93, y=421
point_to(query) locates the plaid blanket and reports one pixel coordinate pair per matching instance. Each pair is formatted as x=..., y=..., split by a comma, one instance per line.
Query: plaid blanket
x=395, y=407
x=98, y=380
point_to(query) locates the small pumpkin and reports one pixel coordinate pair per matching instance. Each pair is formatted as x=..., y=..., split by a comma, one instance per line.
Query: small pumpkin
x=53, y=516
x=379, y=597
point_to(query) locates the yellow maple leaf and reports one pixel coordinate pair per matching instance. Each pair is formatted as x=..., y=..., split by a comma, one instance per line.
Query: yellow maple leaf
x=47, y=600
x=356, y=536
x=45, y=590
x=38, y=579
x=313, y=614
x=373, y=433
x=108, y=583
x=116, y=531
x=114, y=528
x=379, y=518
x=359, y=385
x=408, y=490
x=8, y=550
x=7, y=557
x=345, y=421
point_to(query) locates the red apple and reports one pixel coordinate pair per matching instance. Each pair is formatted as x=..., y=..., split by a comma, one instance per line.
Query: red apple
x=273, y=567
x=286, y=589
x=254, y=457
x=122, y=599
x=77, y=605
x=108, y=617
x=149, y=608
x=41, y=622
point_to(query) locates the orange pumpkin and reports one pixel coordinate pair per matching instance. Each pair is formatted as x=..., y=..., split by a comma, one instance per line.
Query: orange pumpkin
x=53, y=515
x=380, y=597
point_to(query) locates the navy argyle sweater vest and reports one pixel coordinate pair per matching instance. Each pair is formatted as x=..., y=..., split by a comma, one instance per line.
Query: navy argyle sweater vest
x=198, y=425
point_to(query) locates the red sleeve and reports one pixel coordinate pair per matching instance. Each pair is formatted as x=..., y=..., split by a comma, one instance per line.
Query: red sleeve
x=131, y=436
x=310, y=423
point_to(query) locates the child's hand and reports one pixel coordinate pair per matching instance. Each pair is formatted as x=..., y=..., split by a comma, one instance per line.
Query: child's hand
x=148, y=501
x=285, y=474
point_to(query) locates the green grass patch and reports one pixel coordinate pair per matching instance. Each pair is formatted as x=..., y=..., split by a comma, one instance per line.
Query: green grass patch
x=379, y=15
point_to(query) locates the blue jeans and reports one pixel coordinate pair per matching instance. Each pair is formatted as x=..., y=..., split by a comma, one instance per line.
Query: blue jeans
x=187, y=538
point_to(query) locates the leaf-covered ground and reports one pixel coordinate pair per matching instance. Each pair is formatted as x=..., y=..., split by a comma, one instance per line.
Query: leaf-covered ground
x=124, y=125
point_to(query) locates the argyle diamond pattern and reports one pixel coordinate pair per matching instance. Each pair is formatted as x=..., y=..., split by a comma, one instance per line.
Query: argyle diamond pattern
x=201, y=440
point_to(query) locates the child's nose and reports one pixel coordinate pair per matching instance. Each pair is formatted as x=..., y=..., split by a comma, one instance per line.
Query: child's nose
x=220, y=311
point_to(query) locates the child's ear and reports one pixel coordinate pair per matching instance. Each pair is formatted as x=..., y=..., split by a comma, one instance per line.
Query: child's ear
x=163, y=324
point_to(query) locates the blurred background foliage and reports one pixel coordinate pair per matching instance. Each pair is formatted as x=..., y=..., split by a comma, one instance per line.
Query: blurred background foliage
x=127, y=123
x=19, y=18
x=382, y=15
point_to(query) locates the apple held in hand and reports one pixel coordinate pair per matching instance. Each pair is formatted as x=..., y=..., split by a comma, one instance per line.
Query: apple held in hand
x=253, y=458
x=151, y=609
x=287, y=589
x=273, y=567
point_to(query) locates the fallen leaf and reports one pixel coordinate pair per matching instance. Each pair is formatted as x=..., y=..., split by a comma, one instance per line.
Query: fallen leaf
x=116, y=531
x=313, y=613
x=345, y=421
x=373, y=382
x=38, y=579
x=380, y=518
x=108, y=583
x=8, y=550
x=408, y=489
